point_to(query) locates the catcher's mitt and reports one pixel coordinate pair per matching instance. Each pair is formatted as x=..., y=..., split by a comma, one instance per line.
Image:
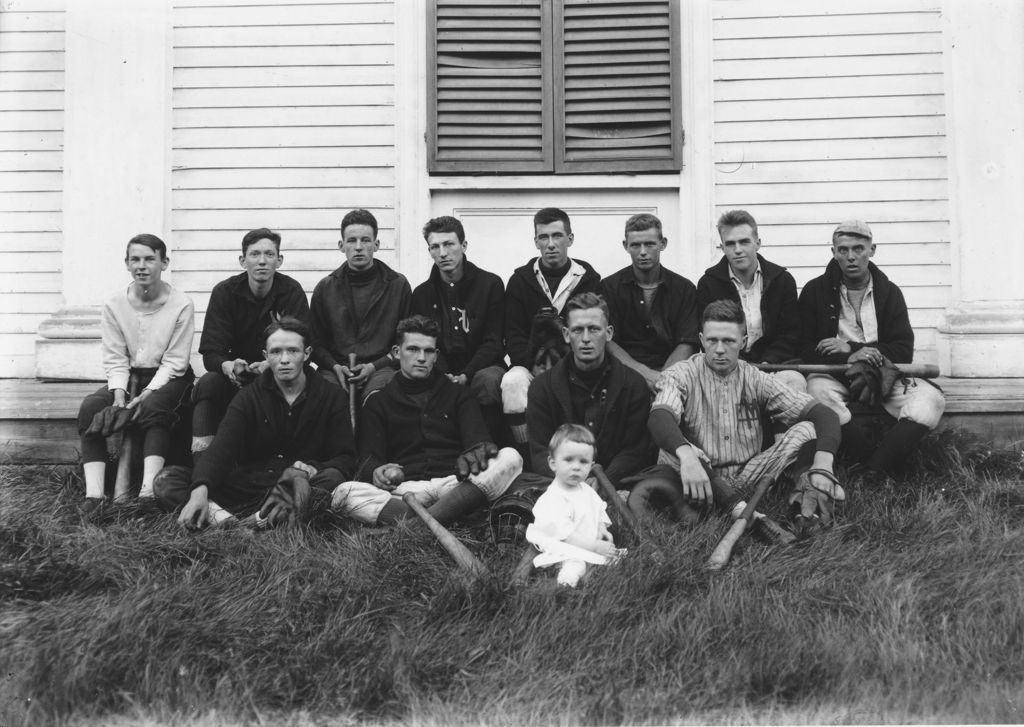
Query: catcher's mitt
x=547, y=345
x=870, y=384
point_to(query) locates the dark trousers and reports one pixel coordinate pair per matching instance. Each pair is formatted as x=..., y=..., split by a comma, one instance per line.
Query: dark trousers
x=210, y=398
x=161, y=411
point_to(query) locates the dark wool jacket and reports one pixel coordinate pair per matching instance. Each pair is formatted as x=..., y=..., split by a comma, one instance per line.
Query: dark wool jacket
x=672, y=321
x=483, y=299
x=235, y=318
x=780, y=316
x=425, y=440
x=260, y=431
x=820, y=311
x=336, y=333
x=623, y=403
x=524, y=297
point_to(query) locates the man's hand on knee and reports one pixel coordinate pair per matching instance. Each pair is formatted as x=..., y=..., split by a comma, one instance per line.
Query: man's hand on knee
x=695, y=480
x=388, y=476
x=474, y=460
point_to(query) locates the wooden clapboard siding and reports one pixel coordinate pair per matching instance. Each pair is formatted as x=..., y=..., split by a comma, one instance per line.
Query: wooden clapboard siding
x=283, y=117
x=31, y=175
x=827, y=110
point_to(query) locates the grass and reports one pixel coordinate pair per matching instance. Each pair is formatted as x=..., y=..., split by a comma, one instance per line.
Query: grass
x=910, y=610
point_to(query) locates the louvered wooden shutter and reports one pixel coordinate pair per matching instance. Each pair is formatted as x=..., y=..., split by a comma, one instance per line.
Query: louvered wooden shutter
x=489, y=65
x=616, y=71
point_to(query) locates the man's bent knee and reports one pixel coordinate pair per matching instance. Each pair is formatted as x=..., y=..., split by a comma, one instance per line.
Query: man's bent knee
x=359, y=500
x=172, y=487
x=486, y=385
x=515, y=385
x=501, y=470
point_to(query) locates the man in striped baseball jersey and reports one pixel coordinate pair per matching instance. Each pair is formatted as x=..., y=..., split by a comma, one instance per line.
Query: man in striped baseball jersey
x=707, y=419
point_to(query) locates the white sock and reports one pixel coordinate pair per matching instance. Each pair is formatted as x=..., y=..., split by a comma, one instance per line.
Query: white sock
x=95, y=472
x=151, y=466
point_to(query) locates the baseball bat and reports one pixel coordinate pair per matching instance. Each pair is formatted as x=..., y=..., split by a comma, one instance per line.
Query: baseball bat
x=916, y=370
x=466, y=561
x=722, y=552
x=352, y=404
x=521, y=573
x=625, y=514
x=123, y=480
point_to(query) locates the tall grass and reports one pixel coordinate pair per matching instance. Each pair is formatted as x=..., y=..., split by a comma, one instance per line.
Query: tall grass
x=910, y=610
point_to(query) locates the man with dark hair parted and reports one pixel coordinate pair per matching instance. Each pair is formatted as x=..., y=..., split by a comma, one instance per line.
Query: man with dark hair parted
x=231, y=344
x=590, y=387
x=707, y=419
x=423, y=434
x=545, y=282
x=468, y=305
x=286, y=432
x=355, y=309
x=765, y=291
x=653, y=309
x=854, y=314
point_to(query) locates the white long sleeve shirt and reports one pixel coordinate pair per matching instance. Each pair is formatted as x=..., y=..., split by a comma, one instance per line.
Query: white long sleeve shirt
x=160, y=339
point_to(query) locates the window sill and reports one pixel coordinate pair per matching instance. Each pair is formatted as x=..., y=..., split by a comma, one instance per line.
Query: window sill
x=552, y=181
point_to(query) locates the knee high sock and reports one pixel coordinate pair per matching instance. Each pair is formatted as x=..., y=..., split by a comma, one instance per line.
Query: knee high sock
x=95, y=478
x=394, y=510
x=463, y=499
x=895, y=446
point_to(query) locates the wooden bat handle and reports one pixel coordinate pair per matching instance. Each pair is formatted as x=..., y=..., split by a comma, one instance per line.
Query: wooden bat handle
x=620, y=507
x=916, y=370
x=723, y=551
x=352, y=403
x=459, y=552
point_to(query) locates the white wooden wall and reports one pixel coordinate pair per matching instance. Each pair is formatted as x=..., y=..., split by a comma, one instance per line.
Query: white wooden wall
x=31, y=160
x=827, y=110
x=283, y=118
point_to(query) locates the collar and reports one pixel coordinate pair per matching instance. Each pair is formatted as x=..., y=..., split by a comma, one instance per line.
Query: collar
x=739, y=283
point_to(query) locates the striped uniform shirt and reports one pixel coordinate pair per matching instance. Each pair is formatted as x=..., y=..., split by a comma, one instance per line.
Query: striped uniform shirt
x=721, y=415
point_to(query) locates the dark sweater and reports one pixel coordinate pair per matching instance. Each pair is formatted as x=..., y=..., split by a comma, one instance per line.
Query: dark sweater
x=235, y=318
x=425, y=439
x=337, y=332
x=780, y=317
x=617, y=416
x=651, y=333
x=482, y=296
x=524, y=297
x=261, y=431
x=820, y=311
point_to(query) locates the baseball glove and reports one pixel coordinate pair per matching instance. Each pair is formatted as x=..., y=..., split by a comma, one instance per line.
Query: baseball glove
x=870, y=384
x=813, y=504
x=288, y=501
x=547, y=345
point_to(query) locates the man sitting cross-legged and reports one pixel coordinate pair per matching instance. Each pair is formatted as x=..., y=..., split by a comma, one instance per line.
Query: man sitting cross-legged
x=240, y=309
x=853, y=314
x=424, y=434
x=285, y=432
x=707, y=419
x=592, y=388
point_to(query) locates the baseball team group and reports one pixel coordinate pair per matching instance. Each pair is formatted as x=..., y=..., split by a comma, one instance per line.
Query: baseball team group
x=465, y=392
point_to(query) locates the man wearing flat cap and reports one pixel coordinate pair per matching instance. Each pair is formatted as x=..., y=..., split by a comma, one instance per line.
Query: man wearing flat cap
x=853, y=314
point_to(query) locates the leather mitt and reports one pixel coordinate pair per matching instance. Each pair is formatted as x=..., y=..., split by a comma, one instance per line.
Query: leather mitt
x=474, y=460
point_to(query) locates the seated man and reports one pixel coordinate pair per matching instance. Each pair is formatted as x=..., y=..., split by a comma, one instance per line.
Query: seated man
x=355, y=309
x=146, y=366
x=289, y=425
x=707, y=419
x=423, y=434
x=653, y=310
x=468, y=305
x=592, y=388
x=765, y=291
x=547, y=281
x=853, y=314
x=239, y=311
